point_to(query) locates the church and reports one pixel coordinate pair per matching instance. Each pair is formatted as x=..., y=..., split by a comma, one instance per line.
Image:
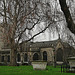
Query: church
x=50, y=51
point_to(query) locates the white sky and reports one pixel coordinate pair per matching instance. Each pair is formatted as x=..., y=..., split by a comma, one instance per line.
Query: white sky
x=46, y=36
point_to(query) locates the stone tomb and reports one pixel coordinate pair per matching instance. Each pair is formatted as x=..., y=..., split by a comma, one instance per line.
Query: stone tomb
x=39, y=65
x=72, y=63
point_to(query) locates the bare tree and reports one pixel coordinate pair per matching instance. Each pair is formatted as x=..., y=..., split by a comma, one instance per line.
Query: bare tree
x=20, y=17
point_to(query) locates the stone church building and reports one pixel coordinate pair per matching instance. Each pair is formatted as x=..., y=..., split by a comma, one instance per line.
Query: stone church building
x=50, y=51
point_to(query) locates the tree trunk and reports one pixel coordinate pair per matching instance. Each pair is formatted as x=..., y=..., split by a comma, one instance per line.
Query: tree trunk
x=67, y=14
x=13, y=57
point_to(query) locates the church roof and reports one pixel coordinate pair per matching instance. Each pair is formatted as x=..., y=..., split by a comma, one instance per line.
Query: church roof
x=44, y=44
x=65, y=44
x=35, y=46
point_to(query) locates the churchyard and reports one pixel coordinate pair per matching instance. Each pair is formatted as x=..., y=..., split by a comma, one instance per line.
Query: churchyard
x=28, y=70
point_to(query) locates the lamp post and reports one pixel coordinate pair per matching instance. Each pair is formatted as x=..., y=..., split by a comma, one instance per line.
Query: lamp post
x=54, y=63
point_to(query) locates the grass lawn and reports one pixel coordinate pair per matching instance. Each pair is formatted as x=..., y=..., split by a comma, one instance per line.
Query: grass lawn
x=28, y=70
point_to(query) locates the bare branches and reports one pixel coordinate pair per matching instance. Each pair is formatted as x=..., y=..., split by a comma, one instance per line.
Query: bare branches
x=39, y=32
x=20, y=16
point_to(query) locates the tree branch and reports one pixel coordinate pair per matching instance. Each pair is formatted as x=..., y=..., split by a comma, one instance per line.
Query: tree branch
x=67, y=14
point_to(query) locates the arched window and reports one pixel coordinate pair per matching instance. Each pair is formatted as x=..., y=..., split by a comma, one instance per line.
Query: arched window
x=25, y=57
x=59, y=55
x=8, y=58
x=35, y=56
x=18, y=58
x=45, y=55
x=2, y=59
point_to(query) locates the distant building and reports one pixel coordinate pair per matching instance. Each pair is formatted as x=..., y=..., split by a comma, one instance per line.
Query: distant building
x=4, y=50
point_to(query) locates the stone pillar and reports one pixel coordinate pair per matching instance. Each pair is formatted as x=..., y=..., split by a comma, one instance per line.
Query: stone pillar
x=29, y=58
x=21, y=58
x=30, y=55
x=41, y=55
x=5, y=59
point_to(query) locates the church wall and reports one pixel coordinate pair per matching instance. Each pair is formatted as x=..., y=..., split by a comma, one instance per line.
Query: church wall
x=50, y=55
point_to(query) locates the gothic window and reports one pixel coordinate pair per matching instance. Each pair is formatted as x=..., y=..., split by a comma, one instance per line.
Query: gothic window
x=18, y=58
x=2, y=59
x=25, y=57
x=8, y=58
x=59, y=55
x=45, y=55
x=35, y=56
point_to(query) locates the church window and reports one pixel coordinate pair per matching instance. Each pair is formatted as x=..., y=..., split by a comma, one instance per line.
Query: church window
x=45, y=55
x=35, y=56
